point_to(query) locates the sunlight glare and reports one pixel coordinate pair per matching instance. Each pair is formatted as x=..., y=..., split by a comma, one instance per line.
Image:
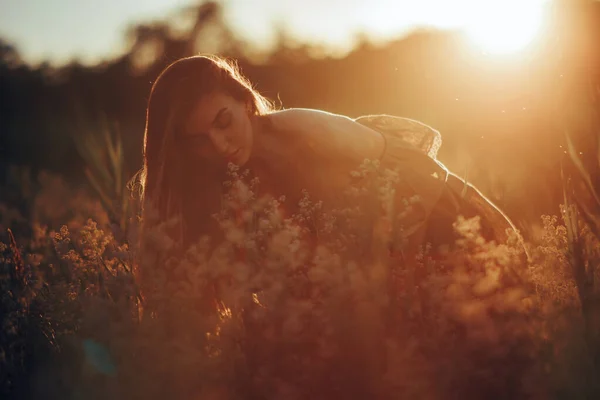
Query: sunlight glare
x=506, y=27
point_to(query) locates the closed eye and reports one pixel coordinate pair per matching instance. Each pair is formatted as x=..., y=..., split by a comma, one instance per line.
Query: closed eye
x=223, y=119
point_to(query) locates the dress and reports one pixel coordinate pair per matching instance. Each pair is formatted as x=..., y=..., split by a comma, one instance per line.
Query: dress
x=411, y=151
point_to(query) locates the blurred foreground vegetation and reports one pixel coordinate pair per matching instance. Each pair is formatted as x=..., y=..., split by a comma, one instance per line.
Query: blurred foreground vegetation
x=270, y=313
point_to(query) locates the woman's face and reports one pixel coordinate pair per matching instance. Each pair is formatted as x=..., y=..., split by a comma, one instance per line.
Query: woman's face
x=219, y=129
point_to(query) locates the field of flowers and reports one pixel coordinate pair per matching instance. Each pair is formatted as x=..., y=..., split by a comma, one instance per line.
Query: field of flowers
x=312, y=305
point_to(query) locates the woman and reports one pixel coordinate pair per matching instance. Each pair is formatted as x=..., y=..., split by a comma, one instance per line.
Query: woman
x=203, y=114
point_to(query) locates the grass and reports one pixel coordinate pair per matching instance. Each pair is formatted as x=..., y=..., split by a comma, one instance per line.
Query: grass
x=274, y=314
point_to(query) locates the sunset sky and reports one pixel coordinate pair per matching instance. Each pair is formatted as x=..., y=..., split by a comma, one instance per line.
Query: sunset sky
x=91, y=30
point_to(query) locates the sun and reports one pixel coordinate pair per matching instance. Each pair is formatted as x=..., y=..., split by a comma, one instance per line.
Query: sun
x=506, y=27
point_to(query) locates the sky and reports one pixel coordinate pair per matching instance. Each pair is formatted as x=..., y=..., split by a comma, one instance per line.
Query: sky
x=92, y=30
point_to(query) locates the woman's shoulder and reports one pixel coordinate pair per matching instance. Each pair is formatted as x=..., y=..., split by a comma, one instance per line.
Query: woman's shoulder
x=374, y=131
x=328, y=132
x=301, y=118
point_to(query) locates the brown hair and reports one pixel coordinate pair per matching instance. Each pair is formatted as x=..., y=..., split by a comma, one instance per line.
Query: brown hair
x=173, y=184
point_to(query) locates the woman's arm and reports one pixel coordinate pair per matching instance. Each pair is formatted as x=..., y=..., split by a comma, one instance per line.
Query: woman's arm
x=462, y=198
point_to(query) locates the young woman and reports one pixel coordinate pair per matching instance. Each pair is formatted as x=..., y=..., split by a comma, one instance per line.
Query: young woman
x=203, y=114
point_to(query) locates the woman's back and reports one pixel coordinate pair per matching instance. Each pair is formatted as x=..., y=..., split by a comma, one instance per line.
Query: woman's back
x=411, y=150
x=316, y=151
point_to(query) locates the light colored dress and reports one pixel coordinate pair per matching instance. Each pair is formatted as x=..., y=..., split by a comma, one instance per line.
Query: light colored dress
x=411, y=151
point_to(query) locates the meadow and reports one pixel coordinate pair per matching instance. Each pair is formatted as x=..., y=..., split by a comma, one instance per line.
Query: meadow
x=271, y=313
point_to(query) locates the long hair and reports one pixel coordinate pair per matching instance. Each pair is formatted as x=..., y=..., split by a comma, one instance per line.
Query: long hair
x=175, y=185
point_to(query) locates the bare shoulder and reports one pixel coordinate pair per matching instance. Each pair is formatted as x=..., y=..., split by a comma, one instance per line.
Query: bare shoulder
x=301, y=118
x=330, y=132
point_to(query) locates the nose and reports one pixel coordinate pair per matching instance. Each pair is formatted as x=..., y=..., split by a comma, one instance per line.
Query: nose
x=219, y=141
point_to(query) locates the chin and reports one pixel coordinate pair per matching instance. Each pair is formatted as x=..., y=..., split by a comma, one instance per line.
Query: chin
x=239, y=161
x=242, y=158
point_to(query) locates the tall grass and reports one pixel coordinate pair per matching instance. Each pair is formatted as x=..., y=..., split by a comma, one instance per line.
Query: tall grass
x=272, y=313
x=305, y=306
